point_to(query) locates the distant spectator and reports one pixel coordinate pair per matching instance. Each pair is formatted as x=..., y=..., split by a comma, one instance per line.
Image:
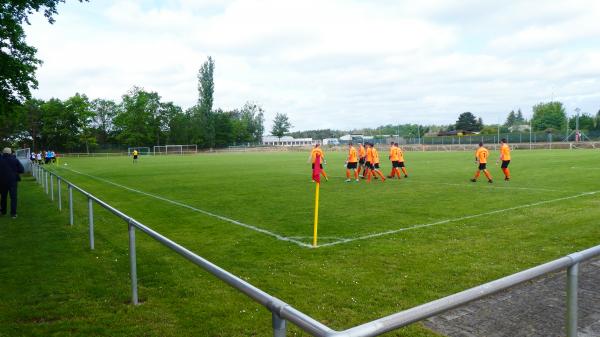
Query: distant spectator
x=10, y=168
x=38, y=157
x=48, y=157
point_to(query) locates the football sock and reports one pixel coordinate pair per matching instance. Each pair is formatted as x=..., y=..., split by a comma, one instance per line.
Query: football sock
x=487, y=174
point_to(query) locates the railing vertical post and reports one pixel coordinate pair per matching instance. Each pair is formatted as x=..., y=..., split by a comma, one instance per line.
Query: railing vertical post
x=133, y=264
x=279, y=326
x=51, y=187
x=70, y=204
x=91, y=218
x=59, y=194
x=572, y=287
x=46, y=181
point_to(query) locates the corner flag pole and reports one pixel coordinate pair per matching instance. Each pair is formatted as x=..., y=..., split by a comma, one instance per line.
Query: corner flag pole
x=317, y=178
x=316, y=215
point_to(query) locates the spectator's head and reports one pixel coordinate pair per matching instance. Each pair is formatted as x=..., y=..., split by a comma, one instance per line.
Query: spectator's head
x=481, y=144
x=350, y=144
x=503, y=140
x=7, y=150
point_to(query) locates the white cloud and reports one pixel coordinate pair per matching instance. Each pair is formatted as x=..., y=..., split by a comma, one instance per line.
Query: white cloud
x=335, y=64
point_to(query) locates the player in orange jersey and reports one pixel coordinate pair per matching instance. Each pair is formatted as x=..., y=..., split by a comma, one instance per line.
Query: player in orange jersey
x=374, y=169
x=393, y=157
x=505, y=158
x=481, y=156
x=397, y=158
x=313, y=157
x=362, y=154
x=401, y=161
x=351, y=162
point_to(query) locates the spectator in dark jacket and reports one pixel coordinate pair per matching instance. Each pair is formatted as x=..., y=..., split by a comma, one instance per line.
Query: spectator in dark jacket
x=10, y=168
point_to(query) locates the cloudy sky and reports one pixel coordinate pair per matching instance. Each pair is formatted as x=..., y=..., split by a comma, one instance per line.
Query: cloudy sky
x=331, y=64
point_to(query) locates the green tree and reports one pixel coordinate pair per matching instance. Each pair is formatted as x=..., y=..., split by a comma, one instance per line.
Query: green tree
x=587, y=122
x=18, y=61
x=223, y=128
x=548, y=116
x=79, y=115
x=253, y=119
x=30, y=118
x=206, y=88
x=104, y=112
x=519, y=119
x=468, y=122
x=511, y=119
x=281, y=125
x=138, y=122
x=180, y=127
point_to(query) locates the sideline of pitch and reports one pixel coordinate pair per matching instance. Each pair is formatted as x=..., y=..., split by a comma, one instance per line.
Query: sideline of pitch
x=220, y=217
x=374, y=235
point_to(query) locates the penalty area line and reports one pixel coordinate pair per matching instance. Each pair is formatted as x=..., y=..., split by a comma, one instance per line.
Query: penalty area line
x=220, y=217
x=374, y=235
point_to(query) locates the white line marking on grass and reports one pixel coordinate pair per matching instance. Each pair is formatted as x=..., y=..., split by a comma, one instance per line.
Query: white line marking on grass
x=458, y=219
x=504, y=187
x=220, y=217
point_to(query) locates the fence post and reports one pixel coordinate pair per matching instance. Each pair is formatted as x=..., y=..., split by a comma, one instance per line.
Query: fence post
x=132, y=264
x=51, y=187
x=91, y=219
x=46, y=181
x=70, y=205
x=279, y=326
x=59, y=194
x=572, y=286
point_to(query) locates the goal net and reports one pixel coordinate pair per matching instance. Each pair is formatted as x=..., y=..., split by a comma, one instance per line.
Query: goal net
x=175, y=149
x=23, y=153
x=23, y=156
x=142, y=150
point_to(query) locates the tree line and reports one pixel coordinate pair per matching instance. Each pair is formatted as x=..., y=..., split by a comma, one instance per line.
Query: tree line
x=140, y=118
x=547, y=117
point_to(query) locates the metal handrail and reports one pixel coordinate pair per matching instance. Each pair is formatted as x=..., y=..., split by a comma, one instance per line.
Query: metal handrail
x=282, y=311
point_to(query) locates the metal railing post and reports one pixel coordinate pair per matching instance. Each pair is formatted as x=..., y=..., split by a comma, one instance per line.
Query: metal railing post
x=46, y=181
x=91, y=219
x=572, y=287
x=51, y=187
x=279, y=326
x=59, y=194
x=70, y=205
x=133, y=264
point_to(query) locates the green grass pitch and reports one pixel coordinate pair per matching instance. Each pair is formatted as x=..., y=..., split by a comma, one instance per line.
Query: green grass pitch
x=384, y=247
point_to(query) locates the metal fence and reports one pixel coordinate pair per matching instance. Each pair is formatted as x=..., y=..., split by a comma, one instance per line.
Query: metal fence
x=534, y=137
x=283, y=312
